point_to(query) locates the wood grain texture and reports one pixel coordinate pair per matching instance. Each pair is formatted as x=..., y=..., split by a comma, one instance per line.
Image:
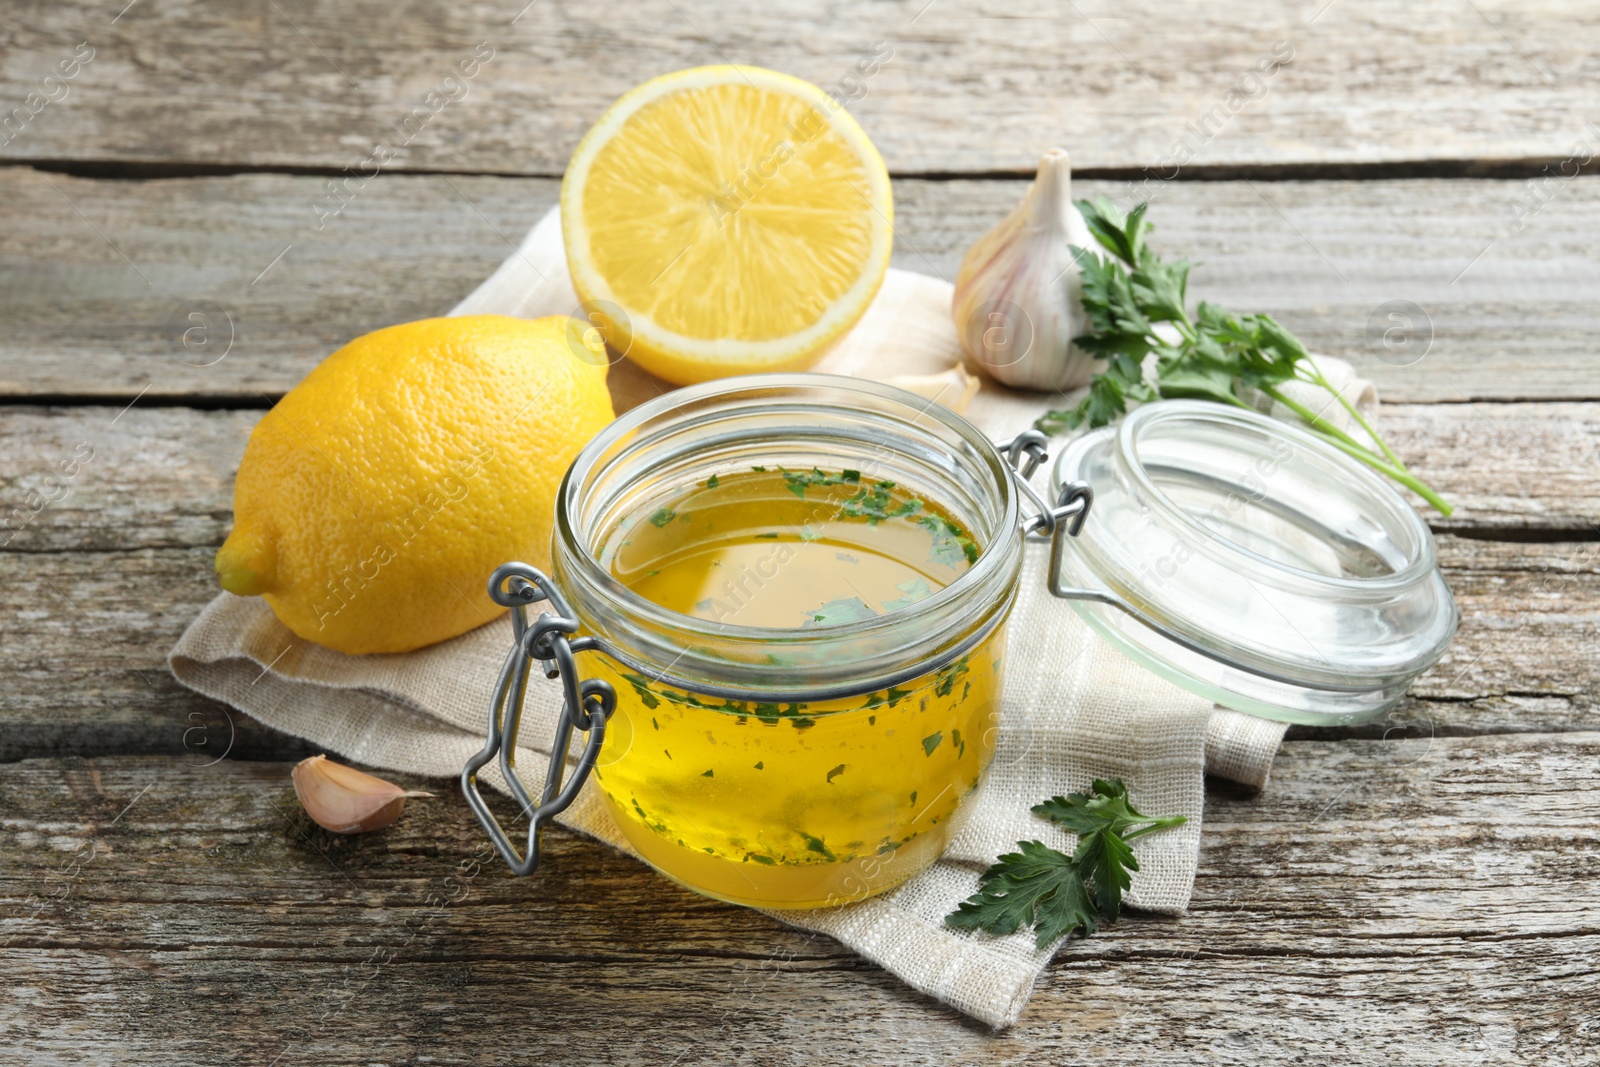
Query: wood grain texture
x=162, y=477
x=87, y=635
x=1433, y=902
x=85, y=639
x=97, y=585
x=962, y=86
x=97, y=278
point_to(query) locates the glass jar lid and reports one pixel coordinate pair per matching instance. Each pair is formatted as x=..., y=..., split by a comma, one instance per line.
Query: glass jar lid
x=1250, y=562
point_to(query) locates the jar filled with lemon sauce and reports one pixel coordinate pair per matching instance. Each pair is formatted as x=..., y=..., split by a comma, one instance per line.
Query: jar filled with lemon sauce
x=793, y=590
x=785, y=799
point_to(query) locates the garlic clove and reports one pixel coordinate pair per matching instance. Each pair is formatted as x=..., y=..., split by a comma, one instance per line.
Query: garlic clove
x=1016, y=302
x=954, y=388
x=345, y=800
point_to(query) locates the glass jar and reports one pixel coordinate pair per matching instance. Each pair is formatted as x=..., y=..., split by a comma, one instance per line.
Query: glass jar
x=796, y=767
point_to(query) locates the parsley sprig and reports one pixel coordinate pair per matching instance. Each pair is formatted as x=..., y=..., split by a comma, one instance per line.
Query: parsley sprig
x=1212, y=355
x=1057, y=894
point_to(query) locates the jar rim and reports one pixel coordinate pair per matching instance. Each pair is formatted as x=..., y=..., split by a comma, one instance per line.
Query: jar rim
x=998, y=552
x=1420, y=561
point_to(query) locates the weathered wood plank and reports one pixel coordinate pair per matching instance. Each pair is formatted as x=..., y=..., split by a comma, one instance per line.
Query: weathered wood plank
x=1527, y=617
x=1424, y=900
x=97, y=277
x=317, y=83
x=86, y=636
x=83, y=319
x=98, y=584
x=1511, y=470
x=162, y=477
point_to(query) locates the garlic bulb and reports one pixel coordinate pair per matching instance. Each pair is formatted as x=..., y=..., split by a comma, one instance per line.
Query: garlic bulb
x=345, y=800
x=953, y=388
x=1016, y=302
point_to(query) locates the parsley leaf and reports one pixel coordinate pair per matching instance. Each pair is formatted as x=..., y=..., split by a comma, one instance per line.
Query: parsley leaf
x=799, y=481
x=1105, y=859
x=1136, y=306
x=839, y=612
x=817, y=845
x=1105, y=822
x=1056, y=894
x=950, y=546
x=1036, y=887
x=641, y=687
x=872, y=503
x=911, y=591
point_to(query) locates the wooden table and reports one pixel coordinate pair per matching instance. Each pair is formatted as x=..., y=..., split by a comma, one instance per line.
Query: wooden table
x=1426, y=889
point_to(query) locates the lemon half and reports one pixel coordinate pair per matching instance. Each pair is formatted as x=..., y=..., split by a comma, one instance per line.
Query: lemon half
x=726, y=220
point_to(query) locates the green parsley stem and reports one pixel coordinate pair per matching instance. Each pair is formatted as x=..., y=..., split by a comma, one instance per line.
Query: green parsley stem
x=1344, y=442
x=1318, y=378
x=1316, y=421
x=1156, y=824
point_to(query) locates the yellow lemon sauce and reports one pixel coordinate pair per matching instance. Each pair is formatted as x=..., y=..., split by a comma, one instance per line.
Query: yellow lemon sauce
x=788, y=804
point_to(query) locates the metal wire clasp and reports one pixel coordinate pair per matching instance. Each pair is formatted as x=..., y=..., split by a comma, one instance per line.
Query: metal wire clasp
x=1025, y=452
x=586, y=705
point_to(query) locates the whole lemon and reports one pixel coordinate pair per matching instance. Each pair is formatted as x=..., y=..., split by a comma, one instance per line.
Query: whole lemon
x=376, y=497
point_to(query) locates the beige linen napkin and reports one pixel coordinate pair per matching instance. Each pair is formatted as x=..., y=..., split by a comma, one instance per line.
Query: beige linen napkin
x=1074, y=709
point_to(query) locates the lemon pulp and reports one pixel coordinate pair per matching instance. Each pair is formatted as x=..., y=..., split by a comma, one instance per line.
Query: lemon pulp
x=726, y=220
